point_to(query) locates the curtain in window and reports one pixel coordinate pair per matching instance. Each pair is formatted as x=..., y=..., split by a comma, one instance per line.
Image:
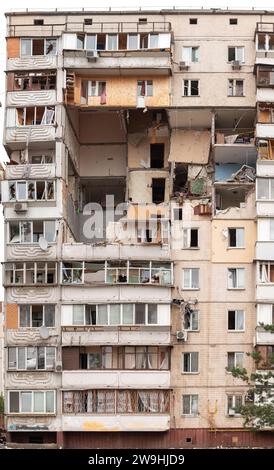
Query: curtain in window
x=125, y=401
x=141, y=357
x=103, y=94
x=68, y=402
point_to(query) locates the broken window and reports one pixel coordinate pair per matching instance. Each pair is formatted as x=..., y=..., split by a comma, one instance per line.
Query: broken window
x=236, y=278
x=157, y=155
x=235, y=360
x=101, y=42
x=144, y=88
x=31, y=190
x=158, y=190
x=191, y=319
x=80, y=41
x=266, y=272
x=73, y=273
x=31, y=231
x=35, y=116
x=97, y=88
x=38, y=46
x=33, y=316
x=191, y=88
x=178, y=213
x=31, y=358
x=41, y=159
x=236, y=237
x=236, y=54
x=234, y=404
x=236, y=320
x=32, y=402
x=190, y=238
x=31, y=273
x=190, y=54
x=191, y=278
x=33, y=81
x=190, y=362
x=235, y=87
x=190, y=405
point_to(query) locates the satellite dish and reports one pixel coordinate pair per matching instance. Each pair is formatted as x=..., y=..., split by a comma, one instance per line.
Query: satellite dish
x=43, y=243
x=44, y=332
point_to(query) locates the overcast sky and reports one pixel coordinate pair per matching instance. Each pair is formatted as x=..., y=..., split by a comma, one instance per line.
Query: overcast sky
x=104, y=4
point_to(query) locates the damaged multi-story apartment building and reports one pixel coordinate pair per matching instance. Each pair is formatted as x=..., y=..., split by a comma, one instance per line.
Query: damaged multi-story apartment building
x=139, y=225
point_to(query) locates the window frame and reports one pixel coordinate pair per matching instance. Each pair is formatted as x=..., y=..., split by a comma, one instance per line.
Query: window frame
x=34, y=182
x=187, y=237
x=121, y=314
x=30, y=315
x=190, y=80
x=237, y=279
x=45, y=45
x=229, y=238
x=234, y=87
x=233, y=396
x=192, y=54
x=236, y=51
x=45, y=392
x=20, y=222
x=190, y=353
x=235, y=360
x=236, y=312
x=191, y=413
x=190, y=278
x=17, y=368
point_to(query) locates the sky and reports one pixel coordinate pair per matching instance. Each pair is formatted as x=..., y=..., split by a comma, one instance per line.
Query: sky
x=104, y=4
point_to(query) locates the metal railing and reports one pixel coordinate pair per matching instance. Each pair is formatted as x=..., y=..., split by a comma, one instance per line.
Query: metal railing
x=55, y=29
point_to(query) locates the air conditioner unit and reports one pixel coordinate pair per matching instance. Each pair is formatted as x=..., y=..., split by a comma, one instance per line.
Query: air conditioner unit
x=236, y=65
x=58, y=367
x=183, y=65
x=231, y=412
x=20, y=207
x=181, y=335
x=91, y=55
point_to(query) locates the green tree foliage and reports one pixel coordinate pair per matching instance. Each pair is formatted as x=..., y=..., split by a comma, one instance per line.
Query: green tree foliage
x=258, y=408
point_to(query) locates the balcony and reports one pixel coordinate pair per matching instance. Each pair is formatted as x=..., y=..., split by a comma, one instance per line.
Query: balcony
x=38, y=379
x=83, y=379
x=27, y=336
x=265, y=292
x=129, y=423
x=265, y=95
x=32, y=423
x=264, y=337
x=265, y=168
x=121, y=62
x=31, y=98
x=16, y=136
x=13, y=172
x=265, y=250
x=116, y=335
x=265, y=208
x=31, y=252
x=265, y=131
x=32, y=62
x=109, y=251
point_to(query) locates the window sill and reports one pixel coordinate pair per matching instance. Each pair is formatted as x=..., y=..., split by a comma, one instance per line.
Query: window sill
x=191, y=248
x=190, y=373
x=235, y=331
x=191, y=96
x=236, y=288
x=235, y=247
x=190, y=415
x=191, y=288
x=236, y=96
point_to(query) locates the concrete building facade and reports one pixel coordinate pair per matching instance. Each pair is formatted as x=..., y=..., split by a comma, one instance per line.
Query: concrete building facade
x=138, y=239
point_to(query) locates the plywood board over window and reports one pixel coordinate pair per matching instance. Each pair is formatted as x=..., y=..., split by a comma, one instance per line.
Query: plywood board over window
x=13, y=48
x=11, y=316
x=189, y=146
